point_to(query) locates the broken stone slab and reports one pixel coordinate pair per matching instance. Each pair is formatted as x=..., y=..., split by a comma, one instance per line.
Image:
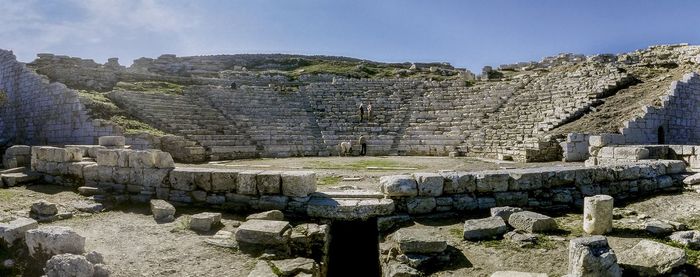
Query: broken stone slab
x=692, y=179
x=269, y=215
x=14, y=230
x=162, y=210
x=591, y=257
x=650, y=258
x=203, y=222
x=521, y=238
x=517, y=274
x=691, y=239
x=88, y=207
x=90, y=191
x=398, y=185
x=53, y=240
x=298, y=183
x=293, y=267
x=485, y=228
x=532, y=222
x=18, y=178
x=420, y=205
x=43, y=208
x=263, y=232
x=429, y=184
x=397, y=269
x=386, y=223
x=262, y=269
x=658, y=227
x=223, y=239
x=69, y=265
x=95, y=257
x=349, y=209
x=504, y=212
x=419, y=240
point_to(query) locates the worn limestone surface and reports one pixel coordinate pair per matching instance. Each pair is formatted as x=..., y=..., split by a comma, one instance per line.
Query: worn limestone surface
x=650, y=258
x=415, y=240
x=264, y=232
x=477, y=229
x=51, y=240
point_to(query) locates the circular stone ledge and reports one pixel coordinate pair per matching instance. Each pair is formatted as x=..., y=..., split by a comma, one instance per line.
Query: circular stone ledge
x=349, y=209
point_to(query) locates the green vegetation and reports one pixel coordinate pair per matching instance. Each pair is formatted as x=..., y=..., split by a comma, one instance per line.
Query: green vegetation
x=329, y=180
x=571, y=224
x=151, y=87
x=182, y=224
x=6, y=195
x=458, y=233
x=693, y=255
x=101, y=107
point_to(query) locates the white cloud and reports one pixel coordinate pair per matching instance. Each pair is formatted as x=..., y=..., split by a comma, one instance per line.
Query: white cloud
x=28, y=28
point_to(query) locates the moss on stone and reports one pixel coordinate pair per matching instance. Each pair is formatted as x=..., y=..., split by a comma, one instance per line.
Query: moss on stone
x=101, y=107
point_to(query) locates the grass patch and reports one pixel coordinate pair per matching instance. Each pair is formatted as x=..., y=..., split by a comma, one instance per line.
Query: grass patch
x=571, y=224
x=693, y=255
x=182, y=224
x=496, y=244
x=693, y=222
x=457, y=233
x=101, y=107
x=362, y=164
x=6, y=195
x=329, y=180
x=151, y=87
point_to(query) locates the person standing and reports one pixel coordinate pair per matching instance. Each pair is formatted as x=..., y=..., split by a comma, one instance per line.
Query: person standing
x=369, y=111
x=362, y=112
x=363, y=142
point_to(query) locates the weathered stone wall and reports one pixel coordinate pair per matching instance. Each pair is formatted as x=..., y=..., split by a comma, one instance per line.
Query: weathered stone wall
x=575, y=148
x=36, y=112
x=615, y=154
x=76, y=72
x=552, y=187
x=673, y=122
x=139, y=176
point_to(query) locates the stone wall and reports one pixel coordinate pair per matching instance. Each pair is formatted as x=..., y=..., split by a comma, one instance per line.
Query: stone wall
x=673, y=122
x=575, y=148
x=549, y=187
x=36, y=112
x=141, y=175
x=615, y=154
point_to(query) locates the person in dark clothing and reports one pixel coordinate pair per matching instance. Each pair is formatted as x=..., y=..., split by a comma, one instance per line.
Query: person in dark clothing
x=233, y=85
x=362, y=112
x=363, y=142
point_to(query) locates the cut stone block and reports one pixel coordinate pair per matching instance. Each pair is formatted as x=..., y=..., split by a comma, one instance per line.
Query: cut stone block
x=16, y=179
x=398, y=185
x=53, y=240
x=597, y=214
x=108, y=157
x=69, y=265
x=112, y=141
x=421, y=205
x=532, y=222
x=162, y=211
x=296, y=267
x=486, y=228
x=298, y=183
x=204, y=221
x=247, y=182
x=142, y=159
x=417, y=240
x=263, y=232
x=429, y=184
x=14, y=230
x=269, y=182
x=650, y=258
x=223, y=180
x=43, y=208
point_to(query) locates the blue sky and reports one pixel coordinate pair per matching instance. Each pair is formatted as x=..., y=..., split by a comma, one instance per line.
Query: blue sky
x=467, y=34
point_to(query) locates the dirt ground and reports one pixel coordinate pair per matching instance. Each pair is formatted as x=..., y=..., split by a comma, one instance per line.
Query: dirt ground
x=133, y=244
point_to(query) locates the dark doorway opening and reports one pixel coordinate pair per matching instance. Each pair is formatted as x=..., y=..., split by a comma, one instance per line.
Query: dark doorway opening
x=354, y=249
x=661, y=135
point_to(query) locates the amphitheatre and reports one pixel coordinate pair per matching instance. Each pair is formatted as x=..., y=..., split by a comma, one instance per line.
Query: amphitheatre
x=231, y=165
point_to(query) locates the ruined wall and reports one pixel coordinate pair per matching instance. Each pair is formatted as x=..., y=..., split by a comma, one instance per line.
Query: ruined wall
x=35, y=111
x=675, y=121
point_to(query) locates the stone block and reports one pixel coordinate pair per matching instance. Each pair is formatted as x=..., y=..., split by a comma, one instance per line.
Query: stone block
x=223, y=180
x=592, y=257
x=464, y=202
x=630, y=153
x=13, y=231
x=504, y=212
x=429, y=184
x=163, y=159
x=108, y=157
x=269, y=182
x=76, y=168
x=182, y=178
x=650, y=258
x=122, y=175
x=247, y=182
x=264, y=232
x=298, y=183
x=273, y=202
x=486, y=228
x=69, y=265
x=43, y=208
x=532, y=222
x=458, y=182
x=155, y=177
x=600, y=140
x=398, y=185
x=199, y=195
x=112, y=141
x=419, y=240
x=492, y=181
x=162, y=211
x=691, y=239
x=203, y=222
x=420, y=205
x=268, y=215
x=90, y=173
x=73, y=154
x=142, y=159
x=53, y=240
